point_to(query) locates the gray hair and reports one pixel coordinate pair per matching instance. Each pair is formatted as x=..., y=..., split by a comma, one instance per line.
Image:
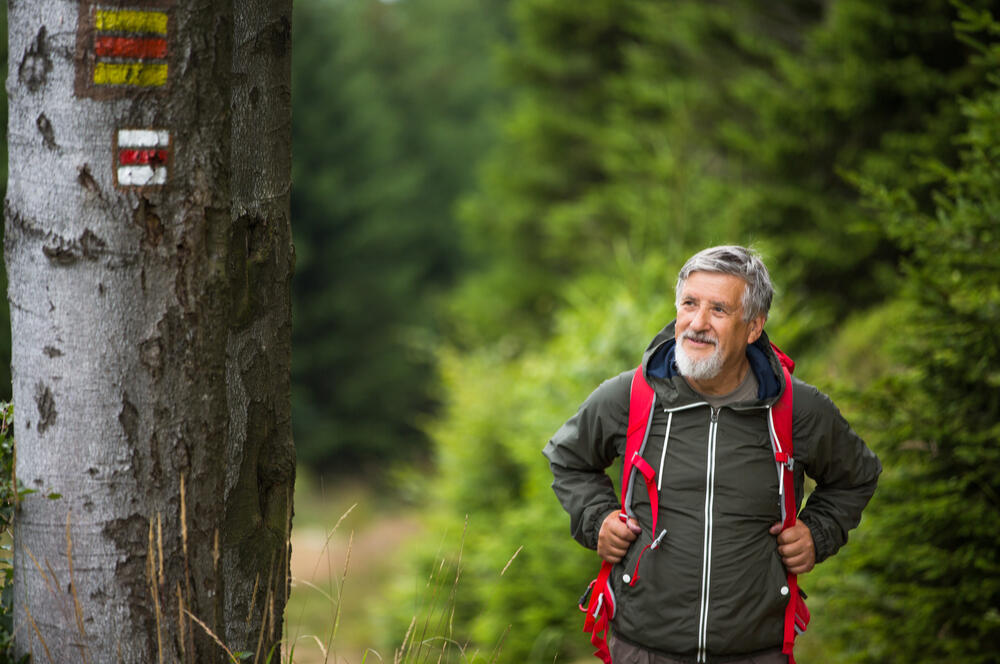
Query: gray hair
x=740, y=262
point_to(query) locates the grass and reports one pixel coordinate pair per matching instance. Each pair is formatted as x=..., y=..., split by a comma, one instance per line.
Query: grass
x=336, y=572
x=338, y=568
x=339, y=571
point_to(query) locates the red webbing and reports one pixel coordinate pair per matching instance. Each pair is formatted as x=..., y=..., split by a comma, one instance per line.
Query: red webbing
x=649, y=475
x=640, y=402
x=796, y=613
x=600, y=611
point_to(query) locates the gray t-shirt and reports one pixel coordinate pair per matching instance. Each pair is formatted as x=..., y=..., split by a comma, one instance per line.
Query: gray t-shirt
x=745, y=391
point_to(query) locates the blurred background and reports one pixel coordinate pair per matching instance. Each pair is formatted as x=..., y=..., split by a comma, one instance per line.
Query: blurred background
x=491, y=200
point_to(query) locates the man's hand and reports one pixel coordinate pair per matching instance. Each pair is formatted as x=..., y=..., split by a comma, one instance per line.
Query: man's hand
x=616, y=536
x=795, y=545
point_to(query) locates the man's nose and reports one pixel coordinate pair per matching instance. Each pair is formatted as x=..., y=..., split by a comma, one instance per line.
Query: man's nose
x=700, y=319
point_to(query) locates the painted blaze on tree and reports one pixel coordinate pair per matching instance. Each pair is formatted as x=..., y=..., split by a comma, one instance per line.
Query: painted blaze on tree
x=149, y=258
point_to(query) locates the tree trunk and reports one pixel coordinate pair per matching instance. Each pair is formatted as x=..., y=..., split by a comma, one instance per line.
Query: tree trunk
x=149, y=257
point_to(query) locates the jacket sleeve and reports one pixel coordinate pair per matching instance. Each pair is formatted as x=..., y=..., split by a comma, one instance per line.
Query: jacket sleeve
x=845, y=470
x=582, y=449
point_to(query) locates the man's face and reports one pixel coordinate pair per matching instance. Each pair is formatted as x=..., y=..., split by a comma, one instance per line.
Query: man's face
x=710, y=329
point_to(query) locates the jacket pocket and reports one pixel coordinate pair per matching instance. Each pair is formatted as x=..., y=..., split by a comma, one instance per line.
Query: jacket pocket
x=627, y=573
x=637, y=584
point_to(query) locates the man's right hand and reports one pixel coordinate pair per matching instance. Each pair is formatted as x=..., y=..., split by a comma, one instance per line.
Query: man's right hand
x=616, y=536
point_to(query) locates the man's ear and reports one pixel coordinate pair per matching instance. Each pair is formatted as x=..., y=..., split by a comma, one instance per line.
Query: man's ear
x=756, y=327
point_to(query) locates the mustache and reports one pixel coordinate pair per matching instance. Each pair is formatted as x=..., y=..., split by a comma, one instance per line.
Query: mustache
x=700, y=337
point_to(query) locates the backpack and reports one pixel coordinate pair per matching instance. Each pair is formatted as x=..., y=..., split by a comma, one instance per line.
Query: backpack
x=598, y=601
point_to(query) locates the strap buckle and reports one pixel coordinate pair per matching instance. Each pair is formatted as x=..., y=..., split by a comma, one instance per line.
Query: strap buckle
x=584, y=602
x=785, y=459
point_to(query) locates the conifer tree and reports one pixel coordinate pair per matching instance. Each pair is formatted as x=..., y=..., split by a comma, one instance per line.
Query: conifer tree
x=390, y=103
x=925, y=584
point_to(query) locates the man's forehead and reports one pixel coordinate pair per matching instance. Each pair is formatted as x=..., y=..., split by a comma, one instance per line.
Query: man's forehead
x=716, y=286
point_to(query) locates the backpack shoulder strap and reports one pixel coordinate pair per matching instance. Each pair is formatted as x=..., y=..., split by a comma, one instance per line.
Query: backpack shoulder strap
x=796, y=613
x=598, y=600
x=781, y=413
x=640, y=418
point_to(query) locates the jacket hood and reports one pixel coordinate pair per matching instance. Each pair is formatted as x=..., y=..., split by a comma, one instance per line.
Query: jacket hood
x=661, y=371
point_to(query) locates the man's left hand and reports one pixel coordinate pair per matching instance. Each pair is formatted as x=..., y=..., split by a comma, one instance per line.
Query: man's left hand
x=795, y=545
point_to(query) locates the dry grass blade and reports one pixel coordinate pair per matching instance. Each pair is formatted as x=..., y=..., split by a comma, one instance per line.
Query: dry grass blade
x=267, y=597
x=445, y=642
x=445, y=614
x=181, y=623
x=38, y=633
x=286, y=565
x=454, y=586
x=253, y=595
x=260, y=638
x=72, y=587
x=151, y=568
x=52, y=573
x=319, y=643
x=40, y=571
x=329, y=536
x=406, y=637
x=323, y=553
x=340, y=591
x=309, y=584
x=511, y=560
x=499, y=647
x=184, y=528
x=364, y=657
x=159, y=547
x=187, y=569
x=211, y=634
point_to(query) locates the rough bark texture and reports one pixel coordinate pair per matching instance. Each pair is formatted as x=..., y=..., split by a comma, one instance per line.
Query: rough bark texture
x=151, y=339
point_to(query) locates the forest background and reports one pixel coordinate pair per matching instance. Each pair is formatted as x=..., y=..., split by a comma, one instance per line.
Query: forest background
x=490, y=204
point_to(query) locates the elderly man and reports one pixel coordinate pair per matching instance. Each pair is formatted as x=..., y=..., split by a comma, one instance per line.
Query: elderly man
x=711, y=584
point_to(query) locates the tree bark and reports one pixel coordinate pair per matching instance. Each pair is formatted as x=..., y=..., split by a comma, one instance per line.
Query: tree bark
x=149, y=258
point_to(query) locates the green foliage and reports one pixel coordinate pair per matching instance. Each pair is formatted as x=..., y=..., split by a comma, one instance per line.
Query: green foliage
x=927, y=584
x=635, y=121
x=869, y=88
x=11, y=492
x=519, y=569
x=598, y=157
x=642, y=131
x=389, y=103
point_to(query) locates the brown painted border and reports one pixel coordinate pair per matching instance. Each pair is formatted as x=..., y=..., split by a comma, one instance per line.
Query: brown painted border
x=85, y=58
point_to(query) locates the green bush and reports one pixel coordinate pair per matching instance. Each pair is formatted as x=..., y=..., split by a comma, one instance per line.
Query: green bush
x=521, y=572
x=643, y=131
x=925, y=584
x=11, y=491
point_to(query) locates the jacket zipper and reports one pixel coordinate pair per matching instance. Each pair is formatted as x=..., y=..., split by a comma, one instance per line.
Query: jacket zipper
x=666, y=437
x=706, y=574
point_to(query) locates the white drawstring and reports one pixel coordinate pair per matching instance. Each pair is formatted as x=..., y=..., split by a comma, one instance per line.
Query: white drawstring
x=663, y=454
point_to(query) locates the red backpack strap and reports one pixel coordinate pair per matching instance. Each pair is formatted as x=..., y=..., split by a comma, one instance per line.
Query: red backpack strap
x=796, y=613
x=600, y=610
x=599, y=601
x=640, y=407
x=640, y=418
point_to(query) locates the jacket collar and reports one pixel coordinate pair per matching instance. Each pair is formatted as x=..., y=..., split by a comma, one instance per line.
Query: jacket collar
x=661, y=371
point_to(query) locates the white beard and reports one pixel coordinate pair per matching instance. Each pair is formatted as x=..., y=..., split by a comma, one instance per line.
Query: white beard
x=703, y=369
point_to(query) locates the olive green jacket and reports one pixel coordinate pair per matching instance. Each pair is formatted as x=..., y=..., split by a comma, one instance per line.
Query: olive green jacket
x=716, y=586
